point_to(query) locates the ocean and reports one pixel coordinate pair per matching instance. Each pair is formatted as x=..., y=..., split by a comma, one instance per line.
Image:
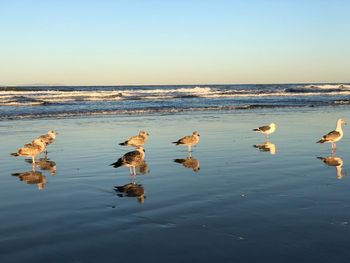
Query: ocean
x=235, y=198
x=28, y=102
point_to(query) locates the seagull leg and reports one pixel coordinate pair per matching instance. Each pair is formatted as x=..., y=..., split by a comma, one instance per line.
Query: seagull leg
x=334, y=148
x=189, y=148
x=33, y=163
x=130, y=170
x=134, y=170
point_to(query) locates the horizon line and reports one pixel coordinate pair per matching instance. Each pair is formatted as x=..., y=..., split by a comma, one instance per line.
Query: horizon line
x=145, y=85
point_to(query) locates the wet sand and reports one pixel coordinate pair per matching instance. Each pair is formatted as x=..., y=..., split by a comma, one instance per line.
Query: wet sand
x=244, y=204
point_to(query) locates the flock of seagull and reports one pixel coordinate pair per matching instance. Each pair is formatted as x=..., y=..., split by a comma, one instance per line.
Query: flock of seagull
x=136, y=158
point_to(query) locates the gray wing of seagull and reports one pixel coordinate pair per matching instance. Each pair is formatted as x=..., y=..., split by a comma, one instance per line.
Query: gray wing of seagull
x=331, y=136
x=186, y=140
x=264, y=128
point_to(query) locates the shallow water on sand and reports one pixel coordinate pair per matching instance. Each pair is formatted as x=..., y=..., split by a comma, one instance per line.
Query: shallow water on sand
x=243, y=205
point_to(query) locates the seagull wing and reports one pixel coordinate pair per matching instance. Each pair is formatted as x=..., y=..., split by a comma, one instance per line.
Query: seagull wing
x=333, y=135
x=264, y=128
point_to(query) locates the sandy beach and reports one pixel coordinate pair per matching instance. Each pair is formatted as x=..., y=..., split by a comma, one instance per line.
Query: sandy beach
x=242, y=205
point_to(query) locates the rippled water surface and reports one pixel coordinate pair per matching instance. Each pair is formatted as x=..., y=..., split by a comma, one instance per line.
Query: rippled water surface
x=65, y=101
x=232, y=203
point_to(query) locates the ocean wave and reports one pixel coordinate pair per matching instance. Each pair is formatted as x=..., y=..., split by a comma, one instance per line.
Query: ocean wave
x=144, y=111
x=318, y=89
x=84, y=101
x=49, y=97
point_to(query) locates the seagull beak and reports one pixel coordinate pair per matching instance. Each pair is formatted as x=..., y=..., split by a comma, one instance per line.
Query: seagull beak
x=144, y=150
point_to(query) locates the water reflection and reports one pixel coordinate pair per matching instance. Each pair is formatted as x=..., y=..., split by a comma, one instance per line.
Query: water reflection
x=189, y=162
x=45, y=164
x=142, y=168
x=337, y=162
x=32, y=177
x=266, y=147
x=131, y=190
x=37, y=177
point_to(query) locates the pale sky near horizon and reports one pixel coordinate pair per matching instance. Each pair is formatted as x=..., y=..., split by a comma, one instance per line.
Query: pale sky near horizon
x=136, y=42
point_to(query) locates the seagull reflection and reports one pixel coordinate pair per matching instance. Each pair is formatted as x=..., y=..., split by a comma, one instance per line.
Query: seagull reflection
x=266, y=147
x=45, y=164
x=190, y=162
x=131, y=190
x=337, y=162
x=142, y=168
x=32, y=177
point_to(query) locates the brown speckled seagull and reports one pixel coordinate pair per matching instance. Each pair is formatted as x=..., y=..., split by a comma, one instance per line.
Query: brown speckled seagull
x=189, y=140
x=131, y=160
x=334, y=136
x=31, y=150
x=48, y=138
x=138, y=140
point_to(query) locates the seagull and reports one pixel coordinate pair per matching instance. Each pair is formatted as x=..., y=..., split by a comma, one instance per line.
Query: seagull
x=131, y=160
x=31, y=150
x=48, y=138
x=267, y=129
x=334, y=136
x=189, y=140
x=189, y=162
x=334, y=161
x=137, y=140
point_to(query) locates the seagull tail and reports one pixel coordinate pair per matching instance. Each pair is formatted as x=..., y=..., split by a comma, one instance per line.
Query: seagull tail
x=321, y=158
x=256, y=130
x=321, y=141
x=123, y=143
x=118, y=188
x=179, y=160
x=14, y=154
x=117, y=163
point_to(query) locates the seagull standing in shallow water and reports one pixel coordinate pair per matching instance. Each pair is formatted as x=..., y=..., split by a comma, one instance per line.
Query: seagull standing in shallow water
x=31, y=150
x=131, y=160
x=48, y=138
x=267, y=129
x=334, y=136
x=137, y=140
x=189, y=140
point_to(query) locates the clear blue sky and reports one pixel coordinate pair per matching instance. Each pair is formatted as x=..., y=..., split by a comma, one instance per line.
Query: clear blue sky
x=174, y=42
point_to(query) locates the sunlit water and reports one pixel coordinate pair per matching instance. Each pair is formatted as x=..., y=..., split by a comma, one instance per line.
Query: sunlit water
x=242, y=205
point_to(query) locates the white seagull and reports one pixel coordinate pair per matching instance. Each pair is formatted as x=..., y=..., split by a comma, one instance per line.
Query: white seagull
x=267, y=129
x=334, y=136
